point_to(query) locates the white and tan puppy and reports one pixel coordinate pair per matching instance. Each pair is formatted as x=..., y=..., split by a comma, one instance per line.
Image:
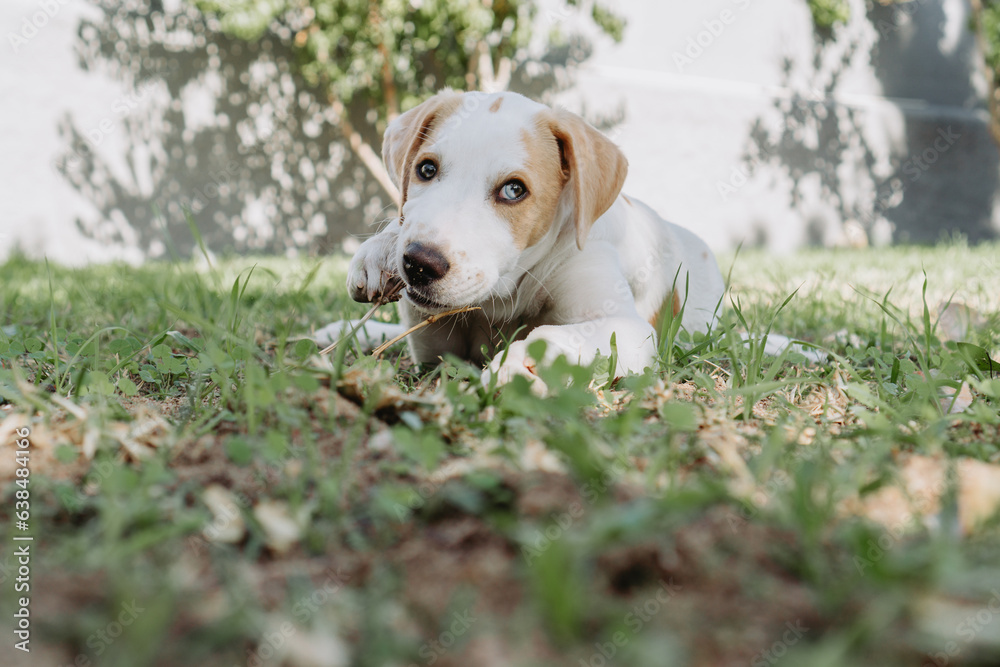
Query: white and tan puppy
x=517, y=208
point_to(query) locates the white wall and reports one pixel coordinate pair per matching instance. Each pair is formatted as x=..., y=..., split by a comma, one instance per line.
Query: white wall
x=688, y=114
x=694, y=77
x=40, y=82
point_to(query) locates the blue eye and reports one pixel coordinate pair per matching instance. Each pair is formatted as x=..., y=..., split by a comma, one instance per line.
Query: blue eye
x=513, y=190
x=427, y=170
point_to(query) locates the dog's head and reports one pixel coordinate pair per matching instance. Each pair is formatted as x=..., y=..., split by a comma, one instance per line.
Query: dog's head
x=485, y=178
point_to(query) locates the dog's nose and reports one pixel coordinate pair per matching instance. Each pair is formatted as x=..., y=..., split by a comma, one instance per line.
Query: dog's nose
x=423, y=264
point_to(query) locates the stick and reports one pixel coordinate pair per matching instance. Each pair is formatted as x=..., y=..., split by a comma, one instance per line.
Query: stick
x=388, y=295
x=430, y=320
x=332, y=346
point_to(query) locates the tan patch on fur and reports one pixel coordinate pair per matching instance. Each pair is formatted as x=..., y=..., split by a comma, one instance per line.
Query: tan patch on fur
x=439, y=108
x=531, y=218
x=627, y=200
x=496, y=105
x=674, y=299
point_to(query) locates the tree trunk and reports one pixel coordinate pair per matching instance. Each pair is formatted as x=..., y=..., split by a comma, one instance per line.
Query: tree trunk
x=994, y=75
x=365, y=152
x=388, y=77
x=490, y=80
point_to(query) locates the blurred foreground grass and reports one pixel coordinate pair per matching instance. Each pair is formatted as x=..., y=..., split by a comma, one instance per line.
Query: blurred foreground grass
x=205, y=490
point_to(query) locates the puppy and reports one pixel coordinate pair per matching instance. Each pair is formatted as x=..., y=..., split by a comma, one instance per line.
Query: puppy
x=516, y=208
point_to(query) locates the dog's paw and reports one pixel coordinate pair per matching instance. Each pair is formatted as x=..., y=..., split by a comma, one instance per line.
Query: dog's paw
x=505, y=367
x=372, y=275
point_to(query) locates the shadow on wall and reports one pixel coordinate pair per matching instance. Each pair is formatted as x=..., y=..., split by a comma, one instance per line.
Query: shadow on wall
x=948, y=182
x=261, y=167
x=813, y=142
x=235, y=136
x=942, y=181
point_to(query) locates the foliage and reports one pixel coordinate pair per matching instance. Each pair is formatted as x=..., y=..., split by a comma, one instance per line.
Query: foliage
x=828, y=13
x=987, y=20
x=396, y=52
x=192, y=457
x=990, y=21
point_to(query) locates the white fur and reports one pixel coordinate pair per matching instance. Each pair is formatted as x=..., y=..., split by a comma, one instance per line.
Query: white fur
x=572, y=298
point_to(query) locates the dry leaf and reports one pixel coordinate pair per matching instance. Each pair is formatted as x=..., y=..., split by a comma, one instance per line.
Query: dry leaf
x=41, y=451
x=827, y=403
x=317, y=649
x=141, y=437
x=729, y=444
x=916, y=496
x=978, y=493
x=281, y=531
x=956, y=320
x=956, y=402
x=923, y=480
x=227, y=524
x=536, y=456
x=8, y=443
x=357, y=384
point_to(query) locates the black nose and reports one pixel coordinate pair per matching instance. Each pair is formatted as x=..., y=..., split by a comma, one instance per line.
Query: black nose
x=423, y=264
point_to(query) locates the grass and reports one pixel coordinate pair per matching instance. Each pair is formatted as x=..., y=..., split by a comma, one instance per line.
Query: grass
x=204, y=489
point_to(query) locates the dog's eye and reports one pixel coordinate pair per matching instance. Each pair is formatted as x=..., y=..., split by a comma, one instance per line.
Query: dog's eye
x=513, y=190
x=427, y=170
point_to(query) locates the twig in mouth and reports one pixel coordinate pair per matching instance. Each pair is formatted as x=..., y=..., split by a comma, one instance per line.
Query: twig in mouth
x=392, y=289
x=430, y=320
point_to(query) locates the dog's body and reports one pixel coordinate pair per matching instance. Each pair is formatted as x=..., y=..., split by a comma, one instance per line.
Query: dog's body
x=516, y=208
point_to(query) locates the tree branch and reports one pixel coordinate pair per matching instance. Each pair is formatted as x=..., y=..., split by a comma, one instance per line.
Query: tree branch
x=388, y=77
x=365, y=152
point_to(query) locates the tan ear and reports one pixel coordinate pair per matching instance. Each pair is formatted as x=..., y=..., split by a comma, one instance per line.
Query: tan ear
x=407, y=132
x=596, y=169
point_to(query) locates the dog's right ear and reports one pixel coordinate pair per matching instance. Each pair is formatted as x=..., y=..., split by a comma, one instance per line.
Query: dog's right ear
x=407, y=132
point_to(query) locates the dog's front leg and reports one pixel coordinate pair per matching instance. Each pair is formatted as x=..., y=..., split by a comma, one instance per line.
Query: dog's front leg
x=580, y=343
x=372, y=276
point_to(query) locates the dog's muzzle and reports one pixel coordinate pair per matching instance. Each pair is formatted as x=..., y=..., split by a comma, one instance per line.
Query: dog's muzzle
x=423, y=264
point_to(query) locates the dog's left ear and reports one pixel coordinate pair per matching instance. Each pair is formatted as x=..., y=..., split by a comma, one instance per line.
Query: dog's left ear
x=595, y=166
